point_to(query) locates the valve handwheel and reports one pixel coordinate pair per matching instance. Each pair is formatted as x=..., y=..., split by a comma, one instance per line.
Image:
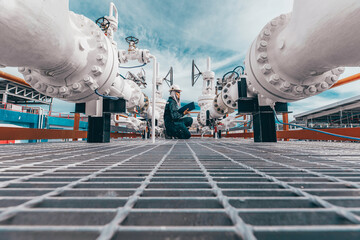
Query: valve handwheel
x=103, y=23
x=132, y=39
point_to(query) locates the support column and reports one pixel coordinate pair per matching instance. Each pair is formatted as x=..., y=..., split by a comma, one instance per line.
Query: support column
x=5, y=94
x=285, y=120
x=99, y=129
x=264, y=125
x=4, y=98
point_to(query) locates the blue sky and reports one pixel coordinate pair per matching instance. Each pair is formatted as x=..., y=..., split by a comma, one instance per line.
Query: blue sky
x=177, y=32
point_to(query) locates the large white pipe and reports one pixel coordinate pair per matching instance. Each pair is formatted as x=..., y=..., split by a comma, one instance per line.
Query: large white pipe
x=302, y=54
x=31, y=31
x=60, y=53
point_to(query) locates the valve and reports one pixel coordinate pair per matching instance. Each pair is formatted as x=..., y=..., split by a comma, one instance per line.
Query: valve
x=132, y=41
x=103, y=24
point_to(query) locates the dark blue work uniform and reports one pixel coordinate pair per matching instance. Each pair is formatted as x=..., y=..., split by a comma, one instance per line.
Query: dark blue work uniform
x=175, y=124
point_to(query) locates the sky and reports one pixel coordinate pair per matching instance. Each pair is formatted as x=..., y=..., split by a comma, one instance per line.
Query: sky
x=179, y=31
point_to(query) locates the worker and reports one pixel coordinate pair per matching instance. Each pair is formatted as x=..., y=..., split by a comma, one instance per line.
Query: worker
x=176, y=125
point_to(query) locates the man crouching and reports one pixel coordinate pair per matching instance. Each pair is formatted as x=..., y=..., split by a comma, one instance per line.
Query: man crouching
x=175, y=123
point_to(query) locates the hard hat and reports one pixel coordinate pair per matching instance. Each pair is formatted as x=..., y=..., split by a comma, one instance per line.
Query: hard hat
x=175, y=88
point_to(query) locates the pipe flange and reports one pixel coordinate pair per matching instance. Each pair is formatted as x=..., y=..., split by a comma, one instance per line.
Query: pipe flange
x=230, y=95
x=265, y=77
x=77, y=82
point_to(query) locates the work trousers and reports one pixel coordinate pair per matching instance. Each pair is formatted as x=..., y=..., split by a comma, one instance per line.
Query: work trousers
x=179, y=129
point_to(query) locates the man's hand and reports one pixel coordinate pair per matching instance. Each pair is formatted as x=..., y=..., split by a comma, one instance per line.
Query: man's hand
x=186, y=111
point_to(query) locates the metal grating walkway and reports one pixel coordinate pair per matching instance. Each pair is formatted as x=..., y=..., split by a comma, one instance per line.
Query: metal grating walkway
x=196, y=189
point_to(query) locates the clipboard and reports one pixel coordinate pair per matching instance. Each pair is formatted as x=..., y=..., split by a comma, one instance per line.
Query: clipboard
x=190, y=106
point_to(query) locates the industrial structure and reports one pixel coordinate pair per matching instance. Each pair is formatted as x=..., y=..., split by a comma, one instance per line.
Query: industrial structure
x=344, y=113
x=306, y=186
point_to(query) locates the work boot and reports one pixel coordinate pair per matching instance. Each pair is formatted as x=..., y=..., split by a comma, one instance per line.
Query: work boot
x=167, y=136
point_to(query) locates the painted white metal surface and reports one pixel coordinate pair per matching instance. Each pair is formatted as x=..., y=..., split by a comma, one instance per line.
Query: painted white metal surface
x=66, y=55
x=159, y=103
x=130, y=122
x=219, y=104
x=302, y=54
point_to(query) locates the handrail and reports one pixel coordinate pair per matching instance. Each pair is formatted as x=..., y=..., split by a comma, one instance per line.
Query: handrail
x=301, y=134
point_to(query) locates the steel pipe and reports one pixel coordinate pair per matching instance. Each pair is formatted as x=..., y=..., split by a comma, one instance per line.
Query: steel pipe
x=302, y=54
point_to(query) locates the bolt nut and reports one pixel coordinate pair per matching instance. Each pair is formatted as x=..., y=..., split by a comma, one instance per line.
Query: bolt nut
x=63, y=90
x=274, y=23
x=262, y=45
x=299, y=89
x=38, y=85
x=28, y=78
x=266, y=68
x=88, y=80
x=338, y=71
x=274, y=79
x=99, y=57
x=96, y=70
x=266, y=34
x=285, y=86
x=331, y=79
x=262, y=57
x=76, y=87
x=52, y=90
x=323, y=86
x=311, y=89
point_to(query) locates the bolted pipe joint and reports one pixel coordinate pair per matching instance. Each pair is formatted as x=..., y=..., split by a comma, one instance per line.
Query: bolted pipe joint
x=296, y=55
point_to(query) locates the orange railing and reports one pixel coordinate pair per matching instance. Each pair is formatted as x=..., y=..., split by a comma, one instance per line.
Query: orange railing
x=307, y=134
x=9, y=133
x=36, y=110
x=301, y=134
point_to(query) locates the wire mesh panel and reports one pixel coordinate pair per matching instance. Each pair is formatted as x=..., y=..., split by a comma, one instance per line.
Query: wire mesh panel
x=196, y=189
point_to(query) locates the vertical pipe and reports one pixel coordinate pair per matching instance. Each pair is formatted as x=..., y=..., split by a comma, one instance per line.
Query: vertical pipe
x=341, y=115
x=208, y=64
x=4, y=99
x=154, y=100
x=285, y=120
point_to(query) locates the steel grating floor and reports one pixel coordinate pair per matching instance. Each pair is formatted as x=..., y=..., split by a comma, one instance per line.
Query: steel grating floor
x=196, y=189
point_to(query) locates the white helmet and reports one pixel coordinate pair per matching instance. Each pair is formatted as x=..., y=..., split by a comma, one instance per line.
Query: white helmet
x=175, y=88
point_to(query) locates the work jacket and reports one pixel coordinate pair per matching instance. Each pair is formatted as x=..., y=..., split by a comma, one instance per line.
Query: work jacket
x=171, y=114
